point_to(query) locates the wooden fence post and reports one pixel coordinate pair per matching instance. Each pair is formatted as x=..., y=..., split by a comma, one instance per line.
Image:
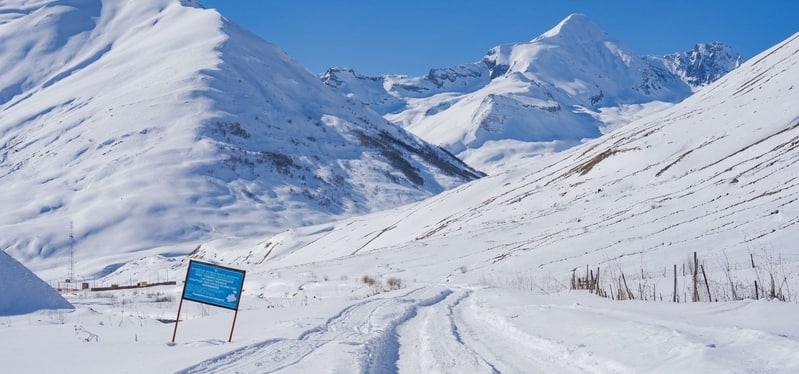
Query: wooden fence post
x=630, y=295
x=597, y=282
x=707, y=286
x=757, y=295
x=674, y=298
x=696, y=273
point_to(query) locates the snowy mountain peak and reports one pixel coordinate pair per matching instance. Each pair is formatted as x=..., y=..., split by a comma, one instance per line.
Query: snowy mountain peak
x=520, y=99
x=575, y=28
x=575, y=49
x=702, y=65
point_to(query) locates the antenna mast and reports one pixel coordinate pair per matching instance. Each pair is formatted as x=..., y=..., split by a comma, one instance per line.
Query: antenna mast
x=71, y=253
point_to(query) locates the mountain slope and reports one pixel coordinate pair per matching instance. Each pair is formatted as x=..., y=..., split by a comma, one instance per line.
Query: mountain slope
x=549, y=92
x=713, y=174
x=141, y=135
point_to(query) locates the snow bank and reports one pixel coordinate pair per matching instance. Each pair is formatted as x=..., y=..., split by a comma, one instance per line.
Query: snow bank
x=24, y=292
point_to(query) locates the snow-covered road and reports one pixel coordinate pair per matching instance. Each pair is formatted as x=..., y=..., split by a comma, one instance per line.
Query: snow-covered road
x=361, y=338
x=441, y=329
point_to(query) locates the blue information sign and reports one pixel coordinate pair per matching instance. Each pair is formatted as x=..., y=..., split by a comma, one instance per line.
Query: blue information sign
x=214, y=285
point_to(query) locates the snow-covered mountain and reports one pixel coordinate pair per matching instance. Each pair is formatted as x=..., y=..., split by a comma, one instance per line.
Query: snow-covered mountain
x=545, y=94
x=715, y=173
x=158, y=124
x=702, y=65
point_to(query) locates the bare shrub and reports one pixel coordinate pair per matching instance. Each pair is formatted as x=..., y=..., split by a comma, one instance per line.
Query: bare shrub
x=368, y=280
x=394, y=283
x=163, y=299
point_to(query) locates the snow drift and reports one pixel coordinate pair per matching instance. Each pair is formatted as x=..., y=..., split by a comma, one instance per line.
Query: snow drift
x=24, y=292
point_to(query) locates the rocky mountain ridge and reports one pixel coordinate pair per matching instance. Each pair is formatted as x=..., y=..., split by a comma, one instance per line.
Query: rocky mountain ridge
x=549, y=91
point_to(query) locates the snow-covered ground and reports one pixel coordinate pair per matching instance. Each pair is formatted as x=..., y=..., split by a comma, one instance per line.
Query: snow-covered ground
x=421, y=328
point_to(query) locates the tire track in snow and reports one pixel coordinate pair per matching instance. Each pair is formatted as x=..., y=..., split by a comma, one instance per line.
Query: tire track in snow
x=498, y=340
x=432, y=343
x=265, y=357
x=365, y=331
x=277, y=354
x=383, y=351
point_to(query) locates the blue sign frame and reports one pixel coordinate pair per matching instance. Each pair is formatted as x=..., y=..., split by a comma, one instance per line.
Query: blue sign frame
x=213, y=285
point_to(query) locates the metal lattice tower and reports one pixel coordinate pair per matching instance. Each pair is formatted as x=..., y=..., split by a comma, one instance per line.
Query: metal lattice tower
x=71, y=253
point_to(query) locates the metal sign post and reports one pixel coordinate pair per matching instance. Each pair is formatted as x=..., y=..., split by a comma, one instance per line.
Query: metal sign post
x=213, y=285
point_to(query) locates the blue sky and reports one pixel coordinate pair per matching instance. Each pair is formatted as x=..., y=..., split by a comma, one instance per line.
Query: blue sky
x=411, y=36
